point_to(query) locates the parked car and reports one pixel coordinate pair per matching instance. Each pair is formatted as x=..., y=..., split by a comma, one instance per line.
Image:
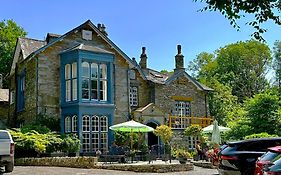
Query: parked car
x=240, y=157
x=7, y=149
x=273, y=154
x=273, y=168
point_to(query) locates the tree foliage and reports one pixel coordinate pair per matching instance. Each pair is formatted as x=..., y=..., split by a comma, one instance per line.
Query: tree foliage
x=9, y=32
x=193, y=130
x=260, y=10
x=164, y=132
x=277, y=63
x=262, y=112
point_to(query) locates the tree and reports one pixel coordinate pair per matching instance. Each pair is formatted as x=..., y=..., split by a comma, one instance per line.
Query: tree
x=277, y=64
x=260, y=10
x=262, y=112
x=243, y=66
x=9, y=32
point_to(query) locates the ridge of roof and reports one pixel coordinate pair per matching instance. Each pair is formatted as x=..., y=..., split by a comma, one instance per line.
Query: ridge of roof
x=105, y=38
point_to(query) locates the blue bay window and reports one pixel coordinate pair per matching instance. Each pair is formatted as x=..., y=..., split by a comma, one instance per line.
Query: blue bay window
x=87, y=102
x=20, y=91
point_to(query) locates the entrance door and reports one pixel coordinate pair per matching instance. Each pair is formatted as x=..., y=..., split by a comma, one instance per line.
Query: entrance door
x=152, y=139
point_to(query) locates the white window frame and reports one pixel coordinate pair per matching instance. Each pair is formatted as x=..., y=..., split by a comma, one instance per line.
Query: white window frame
x=74, y=123
x=70, y=75
x=182, y=109
x=133, y=96
x=67, y=124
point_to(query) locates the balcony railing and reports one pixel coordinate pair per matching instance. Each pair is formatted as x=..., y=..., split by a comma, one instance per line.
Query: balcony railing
x=182, y=122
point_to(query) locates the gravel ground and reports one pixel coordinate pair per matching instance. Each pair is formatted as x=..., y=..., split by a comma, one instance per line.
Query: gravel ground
x=29, y=170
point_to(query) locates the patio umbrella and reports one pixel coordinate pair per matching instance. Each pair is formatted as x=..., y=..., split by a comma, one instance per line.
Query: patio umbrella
x=131, y=126
x=209, y=129
x=216, y=138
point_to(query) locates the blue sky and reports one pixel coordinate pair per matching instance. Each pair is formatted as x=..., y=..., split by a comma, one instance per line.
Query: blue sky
x=158, y=25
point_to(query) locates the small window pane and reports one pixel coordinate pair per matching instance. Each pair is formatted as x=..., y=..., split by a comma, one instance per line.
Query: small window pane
x=74, y=89
x=85, y=69
x=86, y=123
x=74, y=70
x=94, y=70
x=103, y=90
x=95, y=124
x=86, y=142
x=67, y=71
x=67, y=124
x=74, y=123
x=103, y=72
x=94, y=90
x=103, y=124
x=95, y=141
x=68, y=90
x=85, y=88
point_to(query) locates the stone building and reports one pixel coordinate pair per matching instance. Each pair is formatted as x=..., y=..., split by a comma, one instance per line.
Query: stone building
x=88, y=82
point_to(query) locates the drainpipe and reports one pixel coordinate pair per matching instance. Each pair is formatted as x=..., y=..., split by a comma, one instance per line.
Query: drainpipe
x=37, y=93
x=128, y=93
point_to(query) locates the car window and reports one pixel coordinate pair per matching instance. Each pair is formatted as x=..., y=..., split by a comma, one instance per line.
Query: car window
x=4, y=135
x=259, y=145
x=270, y=156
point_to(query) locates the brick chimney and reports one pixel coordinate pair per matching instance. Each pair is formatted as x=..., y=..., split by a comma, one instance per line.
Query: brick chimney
x=143, y=59
x=179, y=60
x=102, y=28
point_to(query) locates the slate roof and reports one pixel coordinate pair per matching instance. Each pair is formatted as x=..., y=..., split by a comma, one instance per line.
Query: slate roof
x=160, y=78
x=4, y=95
x=88, y=48
x=155, y=76
x=29, y=45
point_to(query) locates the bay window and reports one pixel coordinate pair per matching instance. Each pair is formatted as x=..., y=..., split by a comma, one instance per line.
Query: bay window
x=94, y=81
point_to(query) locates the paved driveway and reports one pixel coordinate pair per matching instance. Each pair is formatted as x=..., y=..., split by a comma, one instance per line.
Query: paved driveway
x=29, y=170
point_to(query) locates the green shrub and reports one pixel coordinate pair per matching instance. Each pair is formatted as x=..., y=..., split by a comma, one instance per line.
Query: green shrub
x=70, y=143
x=33, y=143
x=260, y=135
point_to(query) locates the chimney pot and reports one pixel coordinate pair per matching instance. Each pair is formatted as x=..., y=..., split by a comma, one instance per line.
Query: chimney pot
x=179, y=49
x=99, y=26
x=179, y=60
x=143, y=59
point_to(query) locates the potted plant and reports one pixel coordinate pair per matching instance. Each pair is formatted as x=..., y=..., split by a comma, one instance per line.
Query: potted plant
x=182, y=155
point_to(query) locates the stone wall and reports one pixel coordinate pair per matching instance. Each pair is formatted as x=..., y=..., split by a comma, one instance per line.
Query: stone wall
x=29, y=112
x=181, y=87
x=92, y=162
x=73, y=162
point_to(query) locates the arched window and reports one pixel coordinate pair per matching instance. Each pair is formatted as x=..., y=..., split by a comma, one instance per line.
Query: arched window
x=85, y=80
x=95, y=133
x=67, y=124
x=103, y=133
x=74, y=123
x=86, y=133
x=85, y=123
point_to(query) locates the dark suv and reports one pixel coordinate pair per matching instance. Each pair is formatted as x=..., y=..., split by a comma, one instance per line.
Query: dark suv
x=240, y=157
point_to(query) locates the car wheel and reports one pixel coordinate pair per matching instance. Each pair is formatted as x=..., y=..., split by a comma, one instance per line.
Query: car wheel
x=9, y=167
x=248, y=172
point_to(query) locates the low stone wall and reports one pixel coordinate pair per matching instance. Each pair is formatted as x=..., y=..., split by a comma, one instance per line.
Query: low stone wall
x=150, y=168
x=73, y=162
x=92, y=162
x=204, y=164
